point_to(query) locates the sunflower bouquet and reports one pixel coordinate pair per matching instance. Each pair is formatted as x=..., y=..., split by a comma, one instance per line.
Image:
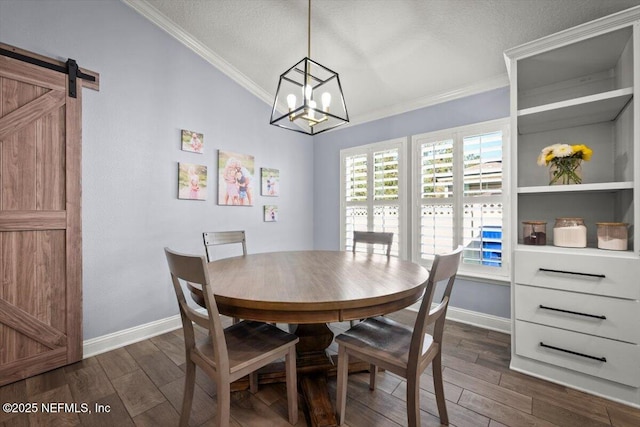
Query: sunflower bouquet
x=564, y=162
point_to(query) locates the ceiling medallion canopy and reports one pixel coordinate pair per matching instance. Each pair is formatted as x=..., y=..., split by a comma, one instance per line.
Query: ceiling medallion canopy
x=309, y=97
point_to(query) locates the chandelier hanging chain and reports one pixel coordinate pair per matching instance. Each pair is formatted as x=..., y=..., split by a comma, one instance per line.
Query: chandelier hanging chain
x=309, y=31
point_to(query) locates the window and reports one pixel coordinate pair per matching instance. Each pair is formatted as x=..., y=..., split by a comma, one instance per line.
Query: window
x=458, y=196
x=458, y=174
x=373, y=192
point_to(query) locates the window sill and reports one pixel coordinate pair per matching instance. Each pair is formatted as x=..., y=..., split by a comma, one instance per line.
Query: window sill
x=474, y=276
x=493, y=279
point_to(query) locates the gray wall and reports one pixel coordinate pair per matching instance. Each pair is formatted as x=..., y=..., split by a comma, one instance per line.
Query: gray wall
x=476, y=296
x=151, y=86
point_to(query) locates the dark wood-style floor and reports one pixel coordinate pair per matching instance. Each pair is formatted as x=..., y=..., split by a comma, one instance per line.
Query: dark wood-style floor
x=142, y=385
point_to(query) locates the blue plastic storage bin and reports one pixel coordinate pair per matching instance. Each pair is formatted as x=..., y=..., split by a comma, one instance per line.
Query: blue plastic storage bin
x=492, y=258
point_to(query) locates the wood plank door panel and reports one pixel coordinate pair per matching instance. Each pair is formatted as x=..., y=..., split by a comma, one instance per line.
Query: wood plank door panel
x=40, y=224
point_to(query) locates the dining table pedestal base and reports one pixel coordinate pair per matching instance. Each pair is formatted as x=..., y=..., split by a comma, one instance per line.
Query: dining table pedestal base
x=313, y=363
x=315, y=392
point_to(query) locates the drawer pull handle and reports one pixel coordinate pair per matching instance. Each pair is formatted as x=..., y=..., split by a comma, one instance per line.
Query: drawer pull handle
x=595, y=316
x=601, y=359
x=601, y=276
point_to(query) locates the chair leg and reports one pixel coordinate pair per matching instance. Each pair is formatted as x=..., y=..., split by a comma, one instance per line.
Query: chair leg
x=292, y=385
x=223, y=397
x=253, y=382
x=341, y=386
x=373, y=370
x=436, y=363
x=187, y=398
x=413, y=402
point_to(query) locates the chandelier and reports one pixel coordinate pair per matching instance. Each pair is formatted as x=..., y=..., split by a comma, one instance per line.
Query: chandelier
x=309, y=97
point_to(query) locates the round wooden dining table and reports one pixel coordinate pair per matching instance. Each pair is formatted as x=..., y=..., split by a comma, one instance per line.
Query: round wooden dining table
x=314, y=286
x=307, y=290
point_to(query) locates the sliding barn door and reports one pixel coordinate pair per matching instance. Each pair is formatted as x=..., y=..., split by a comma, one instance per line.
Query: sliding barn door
x=40, y=224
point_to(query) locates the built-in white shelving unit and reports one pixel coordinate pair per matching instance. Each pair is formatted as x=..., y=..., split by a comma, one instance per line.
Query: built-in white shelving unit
x=575, y=311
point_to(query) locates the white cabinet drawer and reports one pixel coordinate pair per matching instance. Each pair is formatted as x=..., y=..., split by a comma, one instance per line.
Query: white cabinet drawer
x=592, y=314
x=588, y=273
x=620, y=361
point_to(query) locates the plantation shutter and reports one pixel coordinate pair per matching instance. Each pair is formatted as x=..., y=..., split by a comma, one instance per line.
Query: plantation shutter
x=437, y=207
x=482, y=199
x=386, y=195
x=372, y=193
x=356, y=193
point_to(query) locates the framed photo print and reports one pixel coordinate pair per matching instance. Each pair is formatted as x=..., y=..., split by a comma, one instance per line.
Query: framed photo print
x=270, y=182
x=192, y=141
x=270, y=213
x=235, y=179
x=192, y=181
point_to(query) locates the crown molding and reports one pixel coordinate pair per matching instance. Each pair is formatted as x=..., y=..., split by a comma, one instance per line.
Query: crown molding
x=589, y=29
x=153, y=15
x=433, y=99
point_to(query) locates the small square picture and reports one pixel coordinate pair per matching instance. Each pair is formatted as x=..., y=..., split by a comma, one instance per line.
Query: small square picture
x=270, y=213
x=192, y=181
x=192, y=141
x=270, y=182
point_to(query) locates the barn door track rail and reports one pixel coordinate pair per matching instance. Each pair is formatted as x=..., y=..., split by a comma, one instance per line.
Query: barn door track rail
x=70, y=67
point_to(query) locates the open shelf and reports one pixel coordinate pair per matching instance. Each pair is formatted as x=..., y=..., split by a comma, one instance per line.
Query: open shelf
x=595, y=187
x=574, y=60
x=589, y=109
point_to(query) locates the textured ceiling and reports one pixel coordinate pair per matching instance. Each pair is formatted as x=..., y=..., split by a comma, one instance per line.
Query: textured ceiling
x=392, y=55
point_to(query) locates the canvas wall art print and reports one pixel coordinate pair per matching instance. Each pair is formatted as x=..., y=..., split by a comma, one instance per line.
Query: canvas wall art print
x=192, y=141
x=192, y=181
x=235, y=179
x=270, y=182
x=270, y=213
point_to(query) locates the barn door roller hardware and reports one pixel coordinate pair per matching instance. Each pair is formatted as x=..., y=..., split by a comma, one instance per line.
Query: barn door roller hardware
x=70, y=69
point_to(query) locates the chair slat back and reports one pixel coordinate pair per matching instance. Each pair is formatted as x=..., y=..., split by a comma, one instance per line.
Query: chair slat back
x=216, y=238
x=373, y=237
x=193, y=269
x=444, y=267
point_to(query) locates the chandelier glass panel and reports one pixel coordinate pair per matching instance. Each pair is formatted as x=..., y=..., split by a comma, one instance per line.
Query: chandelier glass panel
x=309, y=97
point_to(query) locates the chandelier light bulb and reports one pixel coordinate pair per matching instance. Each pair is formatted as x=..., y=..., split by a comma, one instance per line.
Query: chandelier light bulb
x=326, y=101
x=291, y=101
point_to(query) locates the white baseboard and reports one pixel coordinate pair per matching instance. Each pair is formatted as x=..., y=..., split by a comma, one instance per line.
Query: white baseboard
x=481, y=320
x=99, y=345
x=475, y=318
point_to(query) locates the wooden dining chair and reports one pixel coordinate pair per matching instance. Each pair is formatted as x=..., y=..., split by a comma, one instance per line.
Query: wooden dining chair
x=217, y=238
x=373, y=237
x=403, y=350
x=226, y=354
x=211, y=240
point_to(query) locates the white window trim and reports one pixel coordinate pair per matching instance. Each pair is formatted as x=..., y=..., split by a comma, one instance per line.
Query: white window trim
x=402, y=145
x=502, y=273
